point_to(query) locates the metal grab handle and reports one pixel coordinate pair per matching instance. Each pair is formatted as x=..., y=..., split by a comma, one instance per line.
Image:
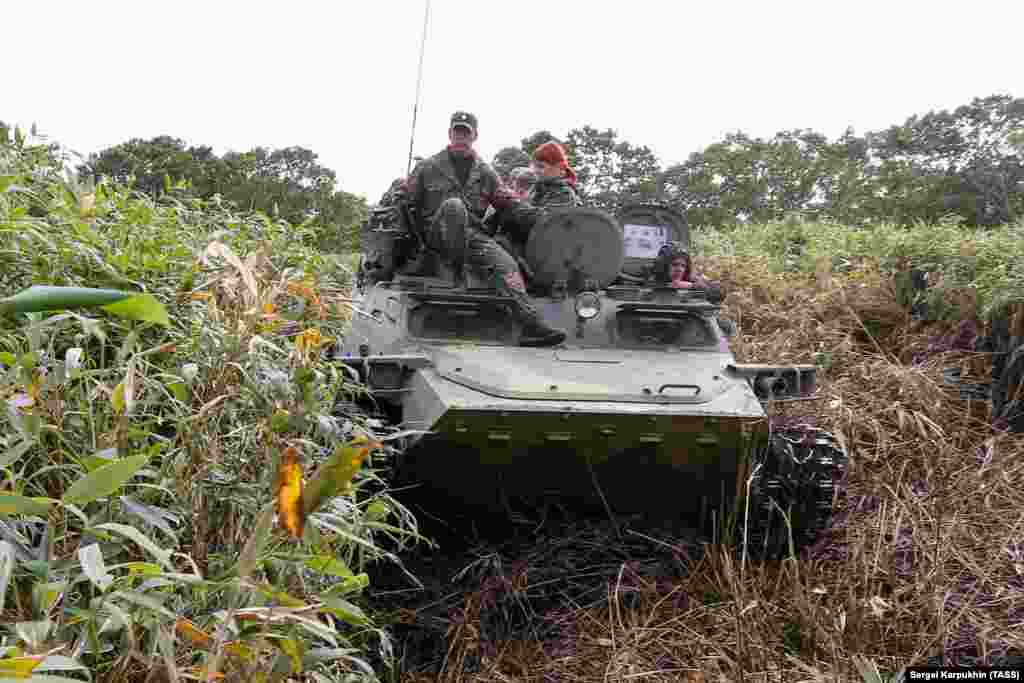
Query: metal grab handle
x=679, y=386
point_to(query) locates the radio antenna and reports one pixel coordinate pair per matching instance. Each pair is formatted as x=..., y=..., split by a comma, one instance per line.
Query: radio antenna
x=419, y=82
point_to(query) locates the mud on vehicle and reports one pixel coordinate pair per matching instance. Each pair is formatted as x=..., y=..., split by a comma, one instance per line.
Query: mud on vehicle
x=643, y=410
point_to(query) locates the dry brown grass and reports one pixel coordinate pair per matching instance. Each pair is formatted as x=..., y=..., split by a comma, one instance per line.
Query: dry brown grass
x=925, y=560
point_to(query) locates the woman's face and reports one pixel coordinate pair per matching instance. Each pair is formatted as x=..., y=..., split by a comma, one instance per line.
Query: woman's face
x=677, y=269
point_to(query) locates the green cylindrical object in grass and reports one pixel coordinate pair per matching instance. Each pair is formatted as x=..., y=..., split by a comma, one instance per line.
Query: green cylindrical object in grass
x=137, y=305
x=46, y=298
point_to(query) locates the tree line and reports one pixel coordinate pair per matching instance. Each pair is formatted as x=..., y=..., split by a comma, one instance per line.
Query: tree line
x=287, y=183
x=967, y=164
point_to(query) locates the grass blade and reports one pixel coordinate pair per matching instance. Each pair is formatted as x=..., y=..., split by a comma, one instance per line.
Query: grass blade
x=334, y=476
x=143, y=307
x=6, y=569
x=164, y=556
x=91, y=559
x=250, y=554
x=22, y=505
x=62, y=663
x=19, y=668
x=288, y=493
x=104, y=481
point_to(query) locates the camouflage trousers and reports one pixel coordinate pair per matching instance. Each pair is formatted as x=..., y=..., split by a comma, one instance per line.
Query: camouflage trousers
x=467, y=246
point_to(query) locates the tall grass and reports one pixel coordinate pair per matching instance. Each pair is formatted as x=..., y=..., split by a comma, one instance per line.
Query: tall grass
x=139, y=459
x=987, y=260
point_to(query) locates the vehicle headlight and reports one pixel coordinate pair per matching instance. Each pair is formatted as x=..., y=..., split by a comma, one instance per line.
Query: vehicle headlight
x=587, y=305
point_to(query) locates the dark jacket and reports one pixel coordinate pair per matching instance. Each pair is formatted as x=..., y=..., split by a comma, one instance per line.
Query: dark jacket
x=435, y=179
x=553, y=193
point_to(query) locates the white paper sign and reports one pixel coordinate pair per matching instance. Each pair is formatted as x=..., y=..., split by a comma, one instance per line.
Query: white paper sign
x=643, y=241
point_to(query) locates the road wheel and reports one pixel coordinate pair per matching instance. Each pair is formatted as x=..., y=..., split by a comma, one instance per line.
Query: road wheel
x=795, y=478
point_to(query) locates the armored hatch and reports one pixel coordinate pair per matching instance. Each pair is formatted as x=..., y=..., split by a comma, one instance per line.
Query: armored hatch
x=645, y=229
x=574, y=245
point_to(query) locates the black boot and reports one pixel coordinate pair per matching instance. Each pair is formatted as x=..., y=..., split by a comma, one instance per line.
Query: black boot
x=536, y=333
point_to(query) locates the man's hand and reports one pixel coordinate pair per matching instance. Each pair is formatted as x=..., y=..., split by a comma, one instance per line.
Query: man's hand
x=502, y=198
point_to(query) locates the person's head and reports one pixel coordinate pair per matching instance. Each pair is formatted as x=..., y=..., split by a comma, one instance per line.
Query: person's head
x=462, y=130
x=679, y=267
x=674, y=260
x=551, y=161
x=522, y=178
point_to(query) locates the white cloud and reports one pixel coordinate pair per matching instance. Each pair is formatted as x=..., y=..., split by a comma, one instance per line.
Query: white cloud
x=339, y=78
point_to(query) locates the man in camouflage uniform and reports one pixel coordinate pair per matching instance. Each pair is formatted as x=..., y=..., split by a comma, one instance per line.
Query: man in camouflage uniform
x=450, y=193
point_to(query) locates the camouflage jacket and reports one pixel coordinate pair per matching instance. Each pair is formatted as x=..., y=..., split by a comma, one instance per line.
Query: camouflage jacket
x=547, y=193
x=435, y=179
x=553, y=193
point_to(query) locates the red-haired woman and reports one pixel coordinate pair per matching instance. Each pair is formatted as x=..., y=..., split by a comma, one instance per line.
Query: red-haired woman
x=556, y=181
x=554, y=188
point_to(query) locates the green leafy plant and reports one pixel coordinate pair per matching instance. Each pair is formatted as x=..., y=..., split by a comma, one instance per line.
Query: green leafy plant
x=157, y=357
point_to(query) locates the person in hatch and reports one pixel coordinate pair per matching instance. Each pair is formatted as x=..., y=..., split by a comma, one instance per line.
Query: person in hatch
x=674, y=267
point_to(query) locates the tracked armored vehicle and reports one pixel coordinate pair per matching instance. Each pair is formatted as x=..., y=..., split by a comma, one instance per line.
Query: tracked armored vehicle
x=643, y=410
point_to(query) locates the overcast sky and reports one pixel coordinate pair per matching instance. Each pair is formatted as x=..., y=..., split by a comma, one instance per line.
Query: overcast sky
x=339, y=77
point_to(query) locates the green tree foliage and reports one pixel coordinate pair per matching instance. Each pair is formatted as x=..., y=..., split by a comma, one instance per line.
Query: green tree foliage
x=845, y=190
x=745, y=178
x=961, y=162
x=291, y=184
x=284, y=183
x=1016, y=139
x=531, y=143
x=146, y=163
x=967, y=163
x=609, y=170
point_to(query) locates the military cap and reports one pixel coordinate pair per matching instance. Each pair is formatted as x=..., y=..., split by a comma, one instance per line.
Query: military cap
x=463, y=118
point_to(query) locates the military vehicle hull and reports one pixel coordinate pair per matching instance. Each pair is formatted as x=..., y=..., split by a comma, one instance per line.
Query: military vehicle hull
x=643, y=408
x=668, y=431
x=633, y=456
